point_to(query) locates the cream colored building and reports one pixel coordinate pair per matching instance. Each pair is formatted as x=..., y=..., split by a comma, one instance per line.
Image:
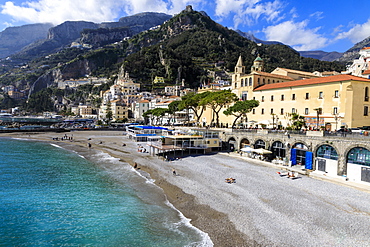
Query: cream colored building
x=341, y=100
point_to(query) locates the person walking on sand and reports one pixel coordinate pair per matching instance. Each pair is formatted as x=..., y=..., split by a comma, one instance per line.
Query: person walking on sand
x=174, y=172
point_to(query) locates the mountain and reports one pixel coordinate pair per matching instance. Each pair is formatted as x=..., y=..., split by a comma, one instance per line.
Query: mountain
x=258, y=41
x=352, y=53
x=13, y=39
x=63, y=35
x=189, y=47
x=322, y=55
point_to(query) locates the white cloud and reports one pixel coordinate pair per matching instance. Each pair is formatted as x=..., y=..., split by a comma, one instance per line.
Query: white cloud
x=58, y=11
x=248, y=12
x=297, y=35
x=357, y=33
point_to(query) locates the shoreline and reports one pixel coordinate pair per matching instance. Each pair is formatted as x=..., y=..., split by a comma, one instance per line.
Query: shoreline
x=216, y=224
x=261, y=209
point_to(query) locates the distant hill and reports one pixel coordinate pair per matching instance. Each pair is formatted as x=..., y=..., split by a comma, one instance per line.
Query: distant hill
x=322, y=55
x=189, y=46
x=352, y=53
x=14, y=39
x=258, y=41
x=63, y=35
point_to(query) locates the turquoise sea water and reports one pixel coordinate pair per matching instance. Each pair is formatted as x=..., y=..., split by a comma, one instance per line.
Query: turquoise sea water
x=50, y=196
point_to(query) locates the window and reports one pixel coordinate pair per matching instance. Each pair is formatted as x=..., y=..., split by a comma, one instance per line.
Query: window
x=335, y=110
x=336, y=94
x=282, y=97
x=327, y=152
x=366, y=94
x=293, y=110
x=250, y=81
x=253, y=111
x=241, y=83
x=268, y=81
x=321, y=95
x=306, y=111
x=366, y=110
x=282, y=111
x=272, y=97
x=272, y=111
x=262, y=111
x=307, y=96
x=236, y=84
x=254, y=98
x=258, y=81
x=263, y=99
x=293, y=96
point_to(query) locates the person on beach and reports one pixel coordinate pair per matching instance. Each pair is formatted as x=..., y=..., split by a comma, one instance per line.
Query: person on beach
x=135, y=166
x=174, y=172
x=89, y=145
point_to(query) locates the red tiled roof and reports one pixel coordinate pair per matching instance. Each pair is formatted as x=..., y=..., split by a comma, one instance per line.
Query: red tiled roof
x=273, y=75
x=365, y=48
x=366, y=72
x=328, y=79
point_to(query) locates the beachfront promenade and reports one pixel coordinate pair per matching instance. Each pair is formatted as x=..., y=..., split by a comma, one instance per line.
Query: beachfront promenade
x=260, y=209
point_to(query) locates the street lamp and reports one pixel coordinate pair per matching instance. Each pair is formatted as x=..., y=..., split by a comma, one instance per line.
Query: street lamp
x=319, y=112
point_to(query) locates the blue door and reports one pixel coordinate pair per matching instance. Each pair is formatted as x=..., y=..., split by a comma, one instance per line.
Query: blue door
x=308, y=163
x=293, y=156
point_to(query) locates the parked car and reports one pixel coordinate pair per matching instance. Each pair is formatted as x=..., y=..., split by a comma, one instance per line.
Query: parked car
x=355, y=130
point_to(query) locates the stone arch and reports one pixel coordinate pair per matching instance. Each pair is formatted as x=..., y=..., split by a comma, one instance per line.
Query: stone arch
x=244, y=142
x=259, y=143
x=231, y=144
x=278, y=149
x=356, y=162
x=317, y=147
x=327, y=159
x=357, y=159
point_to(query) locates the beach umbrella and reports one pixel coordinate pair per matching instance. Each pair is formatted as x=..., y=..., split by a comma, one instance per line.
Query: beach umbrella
x=262, y=151
x=247, y=149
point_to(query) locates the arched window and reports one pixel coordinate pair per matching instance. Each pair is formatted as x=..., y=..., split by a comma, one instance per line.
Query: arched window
x=259, y=144
x=250, y=81
x=258, y=80
x=359, y=155
x=366, y=94
x=278, y=149
x=327, y=152
x=242, y=82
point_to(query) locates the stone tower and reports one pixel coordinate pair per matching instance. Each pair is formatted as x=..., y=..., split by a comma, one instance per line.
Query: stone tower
x=239, y=68
x=258, y=64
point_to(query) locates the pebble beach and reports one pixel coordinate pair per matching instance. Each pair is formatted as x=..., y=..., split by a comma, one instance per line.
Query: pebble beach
x=261, y=208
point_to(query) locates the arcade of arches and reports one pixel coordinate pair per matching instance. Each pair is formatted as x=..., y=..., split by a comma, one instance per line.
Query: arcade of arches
x=349, y=161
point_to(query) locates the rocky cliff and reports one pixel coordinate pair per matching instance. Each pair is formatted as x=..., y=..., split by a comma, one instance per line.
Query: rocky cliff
x=109, y=32
x=13, y=39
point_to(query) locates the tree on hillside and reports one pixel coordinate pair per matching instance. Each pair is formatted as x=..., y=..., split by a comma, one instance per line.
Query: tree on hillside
x=194, y=102
x=240, y=109
x=218, y=100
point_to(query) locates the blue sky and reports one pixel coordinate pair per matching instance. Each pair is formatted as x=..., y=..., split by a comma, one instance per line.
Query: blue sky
x=305, y=25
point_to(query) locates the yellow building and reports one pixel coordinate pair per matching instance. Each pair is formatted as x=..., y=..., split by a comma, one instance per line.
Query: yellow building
x=340, y=100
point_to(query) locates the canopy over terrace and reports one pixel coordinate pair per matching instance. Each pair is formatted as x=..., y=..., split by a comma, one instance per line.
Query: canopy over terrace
x=140, y=133
x=173, y=143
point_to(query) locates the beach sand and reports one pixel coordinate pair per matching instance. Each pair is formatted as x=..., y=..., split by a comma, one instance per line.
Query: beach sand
x=260, y=209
